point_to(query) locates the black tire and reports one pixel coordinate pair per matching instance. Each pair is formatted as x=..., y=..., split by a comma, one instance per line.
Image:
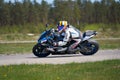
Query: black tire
x=92, y=47
x=39, y=51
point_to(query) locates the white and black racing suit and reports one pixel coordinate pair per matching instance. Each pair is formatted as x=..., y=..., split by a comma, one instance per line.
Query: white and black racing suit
x=71, y=33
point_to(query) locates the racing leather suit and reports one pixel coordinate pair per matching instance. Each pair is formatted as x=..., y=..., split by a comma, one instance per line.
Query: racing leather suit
x=71, y=33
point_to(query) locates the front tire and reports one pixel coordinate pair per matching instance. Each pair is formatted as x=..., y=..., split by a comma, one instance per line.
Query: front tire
x=39, y=51
x=90, y=48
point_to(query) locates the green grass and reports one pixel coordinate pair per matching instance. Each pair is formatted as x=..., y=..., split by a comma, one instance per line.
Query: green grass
x=14, y=48
x=109, y=44
x=18, y=37
x=27, y=28
x=104, y=70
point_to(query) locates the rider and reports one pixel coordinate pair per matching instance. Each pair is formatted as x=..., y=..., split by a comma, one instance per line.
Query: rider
x=70, y=33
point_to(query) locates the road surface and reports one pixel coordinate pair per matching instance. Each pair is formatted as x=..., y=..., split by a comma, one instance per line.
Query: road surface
x=58, y=59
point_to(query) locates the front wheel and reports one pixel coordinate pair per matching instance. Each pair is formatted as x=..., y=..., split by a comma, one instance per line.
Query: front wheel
x=90, y=48
x=39, y=51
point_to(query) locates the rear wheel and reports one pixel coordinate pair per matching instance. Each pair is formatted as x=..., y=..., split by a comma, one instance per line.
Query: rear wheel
x=90, y=48
x=40, y=51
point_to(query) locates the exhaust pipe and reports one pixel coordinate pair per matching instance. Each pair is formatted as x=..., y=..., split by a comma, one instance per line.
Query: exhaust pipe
x=74, y=50
x=50, y=49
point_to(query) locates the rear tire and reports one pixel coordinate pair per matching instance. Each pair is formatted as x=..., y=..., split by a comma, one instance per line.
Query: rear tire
x=39, y=51
x=90, y=48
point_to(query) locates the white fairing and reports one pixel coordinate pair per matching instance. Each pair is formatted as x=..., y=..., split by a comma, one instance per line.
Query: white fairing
x=87, y=37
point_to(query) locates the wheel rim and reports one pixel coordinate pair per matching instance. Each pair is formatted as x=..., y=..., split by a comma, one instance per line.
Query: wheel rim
x=90, y=47
x=38, y=50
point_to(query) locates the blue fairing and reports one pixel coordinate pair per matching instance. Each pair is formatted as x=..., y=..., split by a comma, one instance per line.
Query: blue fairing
x=45, y=36
x=42, y=40
x=42, y=37
x=48, y=35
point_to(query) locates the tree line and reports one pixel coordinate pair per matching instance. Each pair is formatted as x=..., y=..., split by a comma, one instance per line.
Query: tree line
x=74, y=11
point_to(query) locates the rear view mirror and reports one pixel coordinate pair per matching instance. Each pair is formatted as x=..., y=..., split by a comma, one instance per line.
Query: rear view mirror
x=47, y=25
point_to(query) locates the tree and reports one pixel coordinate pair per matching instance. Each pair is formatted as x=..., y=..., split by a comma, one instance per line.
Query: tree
x=74, y=11
x=17, y=14
x=96, y=12
x=114, y=12
x=44, y=12
x=77, y=13
x=87, y=11
x=4, y=13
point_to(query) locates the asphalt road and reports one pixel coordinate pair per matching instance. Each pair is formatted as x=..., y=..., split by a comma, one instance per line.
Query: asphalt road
x=58, y=59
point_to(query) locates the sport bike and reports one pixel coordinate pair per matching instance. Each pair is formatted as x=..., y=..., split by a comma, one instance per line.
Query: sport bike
x=48, y=37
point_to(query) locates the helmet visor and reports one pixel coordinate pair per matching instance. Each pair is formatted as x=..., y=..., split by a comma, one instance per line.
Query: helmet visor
x=60, y=27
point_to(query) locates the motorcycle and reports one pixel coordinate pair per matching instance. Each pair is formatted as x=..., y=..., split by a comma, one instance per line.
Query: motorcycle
x=46, y=39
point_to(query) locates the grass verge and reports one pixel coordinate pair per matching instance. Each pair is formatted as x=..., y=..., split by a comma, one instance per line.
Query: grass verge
x=13, y=48
x=109, y=44
x=104, y=70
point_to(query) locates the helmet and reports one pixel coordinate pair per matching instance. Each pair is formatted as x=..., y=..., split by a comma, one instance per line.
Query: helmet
x=62, y=25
